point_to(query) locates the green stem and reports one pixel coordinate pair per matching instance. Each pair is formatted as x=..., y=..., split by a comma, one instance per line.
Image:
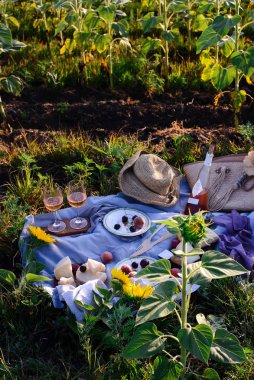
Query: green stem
x=189, y=27
x=171, y=337
x=237, y=74
x=165, y=22
x=184, y=307
x=110, y=67
x=217, y=47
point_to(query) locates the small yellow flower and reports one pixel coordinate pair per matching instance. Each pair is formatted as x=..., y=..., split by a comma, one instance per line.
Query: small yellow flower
x=118, y=274
x=136, y=291
x=41, y=235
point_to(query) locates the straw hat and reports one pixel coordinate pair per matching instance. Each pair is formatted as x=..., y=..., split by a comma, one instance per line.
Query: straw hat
x=150, y=179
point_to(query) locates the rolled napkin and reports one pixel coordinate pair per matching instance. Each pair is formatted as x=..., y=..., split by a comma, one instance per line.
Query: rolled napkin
x=236, y=240
x=83, y=293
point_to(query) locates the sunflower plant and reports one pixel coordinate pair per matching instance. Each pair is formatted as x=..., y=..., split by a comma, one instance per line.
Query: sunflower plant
x=200, y=341
x=32, y=268
x=127, y=289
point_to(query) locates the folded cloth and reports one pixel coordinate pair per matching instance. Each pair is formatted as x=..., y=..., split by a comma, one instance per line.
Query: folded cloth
x=236, y=240
x=83, y=293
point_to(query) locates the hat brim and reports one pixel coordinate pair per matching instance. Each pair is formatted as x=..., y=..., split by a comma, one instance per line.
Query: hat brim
x=131, y=186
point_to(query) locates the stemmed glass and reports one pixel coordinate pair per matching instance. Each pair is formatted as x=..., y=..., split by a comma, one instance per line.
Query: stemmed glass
x=53, y=201
x=76, y=197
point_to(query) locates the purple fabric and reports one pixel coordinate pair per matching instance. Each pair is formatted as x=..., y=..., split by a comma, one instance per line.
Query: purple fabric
x=236, y=240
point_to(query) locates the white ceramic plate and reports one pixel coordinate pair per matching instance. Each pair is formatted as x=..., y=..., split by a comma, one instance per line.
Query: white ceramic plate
x=115, y=217
x=129, y=261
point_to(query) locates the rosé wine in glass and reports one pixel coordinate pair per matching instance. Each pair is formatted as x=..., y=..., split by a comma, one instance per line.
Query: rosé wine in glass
x=53, y=201
x=76, y=197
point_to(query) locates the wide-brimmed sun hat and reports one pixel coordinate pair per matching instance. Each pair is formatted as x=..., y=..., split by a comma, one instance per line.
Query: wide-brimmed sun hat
x=150, y=179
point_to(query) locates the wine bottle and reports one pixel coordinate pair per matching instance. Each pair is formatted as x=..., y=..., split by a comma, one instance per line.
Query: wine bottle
x=199, y=195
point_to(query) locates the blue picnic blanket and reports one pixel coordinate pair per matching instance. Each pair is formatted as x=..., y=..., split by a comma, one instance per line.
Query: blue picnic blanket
x=97, y=240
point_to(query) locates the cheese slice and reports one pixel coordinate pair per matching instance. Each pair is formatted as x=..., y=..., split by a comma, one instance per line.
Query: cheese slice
x=94, y=266
x=86, y=276
x=63, y=268
x=67, y=281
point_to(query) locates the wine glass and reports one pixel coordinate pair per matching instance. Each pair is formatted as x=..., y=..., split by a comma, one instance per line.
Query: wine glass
x=76, y=197
x=53, y=201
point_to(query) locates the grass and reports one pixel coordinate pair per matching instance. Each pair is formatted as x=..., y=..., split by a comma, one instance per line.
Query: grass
x=40, y=342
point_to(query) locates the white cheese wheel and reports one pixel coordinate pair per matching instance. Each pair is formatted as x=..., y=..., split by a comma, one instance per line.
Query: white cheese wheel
x=63, y=268
x=83, y=277
x=94, y=266
x=67, y=281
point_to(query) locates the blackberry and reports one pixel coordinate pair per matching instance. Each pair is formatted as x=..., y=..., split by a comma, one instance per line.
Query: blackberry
x=82, y=268
x=117, y=226
x=134, y=265
x=132, y=229
x=125, y=219
x=144, y=263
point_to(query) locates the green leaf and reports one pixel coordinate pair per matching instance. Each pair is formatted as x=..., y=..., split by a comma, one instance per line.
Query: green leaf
x=222, y=77
x=120, y=28
x=150, y=23
x=167, y=35
x=150, y=44
x=5, y=35
x=208, y=38
x=210, y=374
x=200, y=23
x=244, y=61
x=215, y=265
x=8, y=277
x=227, y=46
x=197, y=340
x=107, y=13
x=238, y=98
x=102, y=42
x=14, y=21
x=157, y=305
x=159, y=271
x=206, y=73
x=165, y=369
x=145, y=342
x=223, y=24
x=85, y=307
x=11, y=84
x=35, y=267
x=226, y=348
x=172, y=225
x=60, y=27
x=205, y=7
x=105, y=292
x=31, y=278
x=167, y=289
x=91, y=21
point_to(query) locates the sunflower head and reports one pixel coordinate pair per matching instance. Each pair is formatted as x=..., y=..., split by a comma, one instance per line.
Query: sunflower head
x=193, y=228
x=118, y=274
x=137, y=292
x=39, y=236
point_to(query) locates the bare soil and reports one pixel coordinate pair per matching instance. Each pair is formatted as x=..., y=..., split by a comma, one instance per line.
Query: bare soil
x=100, y=113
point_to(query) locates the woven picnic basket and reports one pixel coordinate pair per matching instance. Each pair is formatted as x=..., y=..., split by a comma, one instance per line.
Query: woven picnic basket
x=232, y=167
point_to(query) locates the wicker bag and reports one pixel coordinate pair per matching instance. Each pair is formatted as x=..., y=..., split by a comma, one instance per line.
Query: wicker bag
x=228, y=189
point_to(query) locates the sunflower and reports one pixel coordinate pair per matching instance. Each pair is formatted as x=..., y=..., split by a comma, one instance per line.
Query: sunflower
x=118, y=274
x=136, y=291
x=41, y=235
